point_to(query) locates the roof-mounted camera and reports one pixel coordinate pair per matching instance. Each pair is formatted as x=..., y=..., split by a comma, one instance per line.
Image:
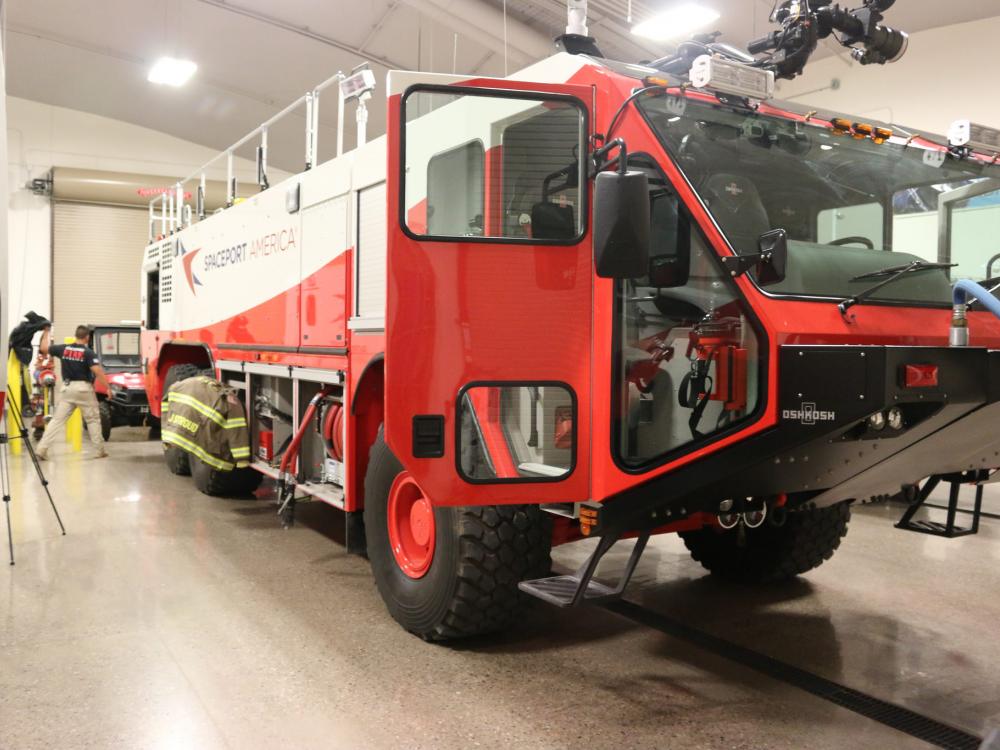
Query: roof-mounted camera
x=805, y=22
x=786, y=50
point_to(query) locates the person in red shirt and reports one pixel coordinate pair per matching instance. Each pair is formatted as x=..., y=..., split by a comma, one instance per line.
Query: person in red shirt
x=80, y=368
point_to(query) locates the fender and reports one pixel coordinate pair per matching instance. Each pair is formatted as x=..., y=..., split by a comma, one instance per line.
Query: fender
x=170, y=354
x=367, y=415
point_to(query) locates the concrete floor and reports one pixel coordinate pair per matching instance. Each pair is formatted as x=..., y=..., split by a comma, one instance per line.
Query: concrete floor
x=166, y=619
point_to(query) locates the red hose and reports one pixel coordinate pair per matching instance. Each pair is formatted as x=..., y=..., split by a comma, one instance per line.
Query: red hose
x=293, y=450
x=333, y=431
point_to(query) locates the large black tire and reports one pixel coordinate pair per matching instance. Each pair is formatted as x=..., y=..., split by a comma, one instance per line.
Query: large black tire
x=223, y=483
x=181, y=372
x=771, y=553
x=480, y=555
x=177, y=460
x=105, y=408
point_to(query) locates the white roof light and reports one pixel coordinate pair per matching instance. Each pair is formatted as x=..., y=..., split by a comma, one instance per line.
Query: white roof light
x=171, y=71
x=675, y=22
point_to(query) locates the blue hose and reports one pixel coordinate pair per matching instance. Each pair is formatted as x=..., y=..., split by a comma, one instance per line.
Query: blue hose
x=965, y=290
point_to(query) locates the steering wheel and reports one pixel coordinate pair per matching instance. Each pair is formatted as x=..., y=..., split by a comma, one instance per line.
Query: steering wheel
x=856, y=238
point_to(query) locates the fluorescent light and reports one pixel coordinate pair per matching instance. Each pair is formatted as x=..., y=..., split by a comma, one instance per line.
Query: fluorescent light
x=675, y=22
x=171, y=71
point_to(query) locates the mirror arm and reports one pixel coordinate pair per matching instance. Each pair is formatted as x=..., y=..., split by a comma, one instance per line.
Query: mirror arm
x=598, y=162
x=737, y=265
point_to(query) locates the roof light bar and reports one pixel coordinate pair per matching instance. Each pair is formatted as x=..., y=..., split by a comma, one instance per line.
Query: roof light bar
x=977, y=137
x=727, y=77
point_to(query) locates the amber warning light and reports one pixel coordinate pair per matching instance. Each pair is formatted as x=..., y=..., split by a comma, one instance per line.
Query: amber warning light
x=920, y=376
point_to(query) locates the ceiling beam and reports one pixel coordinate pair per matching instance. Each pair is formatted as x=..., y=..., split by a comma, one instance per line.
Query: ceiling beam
x=377, y=26
x=304, y=31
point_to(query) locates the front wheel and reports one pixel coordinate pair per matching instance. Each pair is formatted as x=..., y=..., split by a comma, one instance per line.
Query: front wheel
x=448, y=572
x=771, y=553
x=105, y=409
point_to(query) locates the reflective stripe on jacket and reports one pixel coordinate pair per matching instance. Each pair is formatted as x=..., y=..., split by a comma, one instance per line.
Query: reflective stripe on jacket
x=202, y=416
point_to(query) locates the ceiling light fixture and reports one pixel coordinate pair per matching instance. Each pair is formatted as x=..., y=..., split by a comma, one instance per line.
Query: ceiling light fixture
x=171, y=72
x=675, y=22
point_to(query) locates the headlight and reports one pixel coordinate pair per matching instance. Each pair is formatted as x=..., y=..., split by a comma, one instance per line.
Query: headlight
x=895, y=418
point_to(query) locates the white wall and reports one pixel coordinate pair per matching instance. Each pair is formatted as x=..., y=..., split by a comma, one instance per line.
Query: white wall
x=4, y=248
x=947, y=73
x=39, y=137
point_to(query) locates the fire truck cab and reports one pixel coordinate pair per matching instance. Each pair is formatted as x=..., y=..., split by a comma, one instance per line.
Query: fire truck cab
x=588, y=300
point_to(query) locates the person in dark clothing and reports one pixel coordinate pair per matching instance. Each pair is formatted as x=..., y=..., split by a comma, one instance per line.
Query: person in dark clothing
x=80, y=367
x=19, y=342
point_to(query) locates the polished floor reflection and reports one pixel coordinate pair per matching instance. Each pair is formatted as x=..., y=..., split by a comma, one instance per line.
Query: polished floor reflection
x=166, y=619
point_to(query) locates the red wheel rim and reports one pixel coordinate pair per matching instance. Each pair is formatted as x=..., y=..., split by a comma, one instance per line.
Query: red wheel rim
x=411, y=526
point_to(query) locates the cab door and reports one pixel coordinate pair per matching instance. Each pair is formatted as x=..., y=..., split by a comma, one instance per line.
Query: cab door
x=488, y=330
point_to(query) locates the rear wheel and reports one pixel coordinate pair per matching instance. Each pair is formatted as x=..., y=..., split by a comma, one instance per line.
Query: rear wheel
x=448, y=572
x=770, y=553
x=105, y=408
x=223, y=483
x=177, y=460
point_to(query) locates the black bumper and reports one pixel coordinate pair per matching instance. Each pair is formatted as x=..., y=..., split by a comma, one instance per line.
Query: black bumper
x=823, y=450
x=128, y=406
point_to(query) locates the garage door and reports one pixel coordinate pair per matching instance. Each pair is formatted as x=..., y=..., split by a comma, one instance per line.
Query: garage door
x=96, y=259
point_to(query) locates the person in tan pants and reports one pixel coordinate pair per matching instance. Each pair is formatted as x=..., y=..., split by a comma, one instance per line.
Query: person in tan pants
x=80, y=368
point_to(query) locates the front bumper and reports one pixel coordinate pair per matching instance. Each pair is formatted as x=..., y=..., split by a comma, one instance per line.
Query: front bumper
x=128, y=405
x=822, y=450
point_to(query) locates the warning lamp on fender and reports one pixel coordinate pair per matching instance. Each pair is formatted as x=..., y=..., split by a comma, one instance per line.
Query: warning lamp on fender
x=920, y=376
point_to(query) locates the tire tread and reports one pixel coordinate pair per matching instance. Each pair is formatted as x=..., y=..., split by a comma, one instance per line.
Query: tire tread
x=498, y=546
x=770, y=554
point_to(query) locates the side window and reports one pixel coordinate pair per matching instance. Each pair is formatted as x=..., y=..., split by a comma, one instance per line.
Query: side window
x=859, y=225
x=153, y=300
x=688, y=359
x=486, y=165
x=511, y=432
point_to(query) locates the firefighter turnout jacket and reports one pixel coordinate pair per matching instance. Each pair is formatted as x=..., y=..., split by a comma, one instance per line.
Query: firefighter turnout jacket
x=202, y=416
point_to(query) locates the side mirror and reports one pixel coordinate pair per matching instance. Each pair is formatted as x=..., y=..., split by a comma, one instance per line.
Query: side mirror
x=769, y=262
x=621, y=224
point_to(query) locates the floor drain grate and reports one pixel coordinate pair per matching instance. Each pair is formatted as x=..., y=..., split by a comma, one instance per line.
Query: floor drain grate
x=891, y=715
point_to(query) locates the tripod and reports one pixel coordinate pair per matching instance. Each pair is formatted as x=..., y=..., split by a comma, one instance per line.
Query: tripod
x=22, y=435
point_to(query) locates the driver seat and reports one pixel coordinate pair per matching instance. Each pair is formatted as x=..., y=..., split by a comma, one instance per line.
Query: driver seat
x=736, y=205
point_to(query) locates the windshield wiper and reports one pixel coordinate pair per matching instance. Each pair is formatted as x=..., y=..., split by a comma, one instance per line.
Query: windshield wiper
x=891, y=274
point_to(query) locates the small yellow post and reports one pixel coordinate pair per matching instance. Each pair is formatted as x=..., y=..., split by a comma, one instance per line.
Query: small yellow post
x=74, y=425
x=14, y=383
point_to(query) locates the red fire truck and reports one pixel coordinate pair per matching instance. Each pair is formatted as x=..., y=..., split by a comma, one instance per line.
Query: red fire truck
x=593, y=299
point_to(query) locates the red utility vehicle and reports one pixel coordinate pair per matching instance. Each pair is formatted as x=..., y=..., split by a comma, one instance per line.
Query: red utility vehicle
x=591, y=299
x=117, y=347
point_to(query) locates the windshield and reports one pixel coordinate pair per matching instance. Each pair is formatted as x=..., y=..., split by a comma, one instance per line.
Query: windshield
x=118, y=349
x=849, y=205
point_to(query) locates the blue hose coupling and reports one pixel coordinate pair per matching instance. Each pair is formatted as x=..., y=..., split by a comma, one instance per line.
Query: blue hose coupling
x=964, y=291
x=958, y=334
